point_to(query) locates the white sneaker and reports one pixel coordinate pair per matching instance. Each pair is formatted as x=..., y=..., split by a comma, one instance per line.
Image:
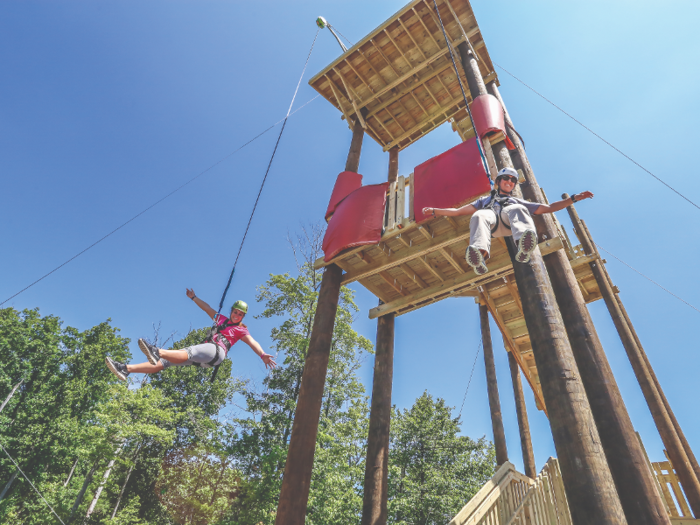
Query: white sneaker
x=526, y=245
x=476, y=260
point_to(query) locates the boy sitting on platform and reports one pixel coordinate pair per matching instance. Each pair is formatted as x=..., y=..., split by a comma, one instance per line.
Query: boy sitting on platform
x=501, y=215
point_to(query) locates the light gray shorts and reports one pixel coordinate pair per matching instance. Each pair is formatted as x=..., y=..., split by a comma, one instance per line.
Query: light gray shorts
x=199, y=355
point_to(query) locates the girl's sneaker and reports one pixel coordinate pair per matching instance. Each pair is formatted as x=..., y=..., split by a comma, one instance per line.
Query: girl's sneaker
x=117, y=368
x=526, y=245
x=151, y=352
x=476, y=260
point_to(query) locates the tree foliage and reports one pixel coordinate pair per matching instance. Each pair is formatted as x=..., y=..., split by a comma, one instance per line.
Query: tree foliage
x=176, y=447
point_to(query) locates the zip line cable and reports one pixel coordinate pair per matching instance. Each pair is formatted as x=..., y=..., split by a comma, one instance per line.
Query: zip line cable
x=32, y=484
x=647, y=278
x=173, y=192
x=459, y=80
x=262, y=185
x=478, y=351
x=601, y=138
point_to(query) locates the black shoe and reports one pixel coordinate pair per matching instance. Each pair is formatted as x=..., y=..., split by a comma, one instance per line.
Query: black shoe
x=150, y=351
x=526, y=245
x=117, y=368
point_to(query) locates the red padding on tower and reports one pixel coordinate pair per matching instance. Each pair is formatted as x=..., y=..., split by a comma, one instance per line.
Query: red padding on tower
x=449, y=180
x=345, y=184
x=489, y=118
x=358, y=220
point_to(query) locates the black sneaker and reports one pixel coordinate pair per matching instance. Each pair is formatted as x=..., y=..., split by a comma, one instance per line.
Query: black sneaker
x=117, y=368
x=476, y=260
x=150, y=351
x=526, y=245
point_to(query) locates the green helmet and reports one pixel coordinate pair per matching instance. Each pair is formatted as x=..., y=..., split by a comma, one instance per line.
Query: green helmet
x=240, y=305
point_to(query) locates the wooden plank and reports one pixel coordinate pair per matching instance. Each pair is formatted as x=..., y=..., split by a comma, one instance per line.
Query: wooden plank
x=461, y=29
x=350, y=96
x=392, y=282
x=411, y=185
x=340, y=105
x=437, y=273
x=417, y=251
x=400, y=200
x=391, y=216
x=500, y=262
x=451, y=259
x=413, y=275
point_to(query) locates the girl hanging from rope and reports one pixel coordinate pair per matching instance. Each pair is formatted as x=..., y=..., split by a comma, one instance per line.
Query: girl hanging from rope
x=226, y=332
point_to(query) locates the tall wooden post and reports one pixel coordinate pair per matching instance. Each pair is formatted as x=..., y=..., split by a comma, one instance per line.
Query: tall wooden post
x=644, y=374
x=589, y=485
x=374, y=501
x=294, y=494
x=499, y=435
x=523, y=423
x=634, y=482
x=676, y=424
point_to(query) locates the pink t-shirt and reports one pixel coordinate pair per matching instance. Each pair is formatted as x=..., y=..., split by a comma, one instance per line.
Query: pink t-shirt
x=232, y=333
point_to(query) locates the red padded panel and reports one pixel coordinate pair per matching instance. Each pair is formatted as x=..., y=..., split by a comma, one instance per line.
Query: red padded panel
x=488, y=117
x=449, y=180
x=345, y=184
x=358, y=220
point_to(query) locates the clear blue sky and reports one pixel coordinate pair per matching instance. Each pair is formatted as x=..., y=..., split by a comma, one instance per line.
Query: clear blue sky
x=107, y=106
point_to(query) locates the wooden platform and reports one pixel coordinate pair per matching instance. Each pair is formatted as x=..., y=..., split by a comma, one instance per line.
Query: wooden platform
x=416, y=265
x=401, y=73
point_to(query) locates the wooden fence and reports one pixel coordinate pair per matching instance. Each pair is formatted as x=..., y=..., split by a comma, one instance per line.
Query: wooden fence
x=511, y=498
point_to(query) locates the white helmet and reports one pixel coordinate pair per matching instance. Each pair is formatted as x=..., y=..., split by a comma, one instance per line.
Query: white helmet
x=508, y=171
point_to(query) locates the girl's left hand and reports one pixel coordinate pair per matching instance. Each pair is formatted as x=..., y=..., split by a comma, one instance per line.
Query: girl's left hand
x=269, y=361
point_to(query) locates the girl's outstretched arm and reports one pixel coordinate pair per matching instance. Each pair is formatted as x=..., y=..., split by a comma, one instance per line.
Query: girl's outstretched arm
x=255, y=346
x=204, y=306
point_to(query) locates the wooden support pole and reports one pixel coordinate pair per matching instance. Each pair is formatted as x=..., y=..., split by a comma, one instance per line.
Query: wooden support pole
x=374, y=504
x=499, y=435
x=642, y=371
x=294, y=494
x=376, y=494
x=589, y=248
x=590, y=489
x=393, y=164
x=635, y=484
x=677, y=426
x=358, y=134
x=471, y=70
x=523, y=423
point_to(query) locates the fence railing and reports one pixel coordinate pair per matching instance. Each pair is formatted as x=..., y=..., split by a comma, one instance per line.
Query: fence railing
x=399, y=195
x=511, y=498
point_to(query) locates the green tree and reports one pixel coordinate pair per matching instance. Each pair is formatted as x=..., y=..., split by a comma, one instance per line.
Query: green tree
x=259, y=440
x=433, y=471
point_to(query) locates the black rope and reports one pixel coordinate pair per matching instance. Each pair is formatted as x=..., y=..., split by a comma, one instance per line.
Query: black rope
x=262, y=185
x=598, y=136
x=459, y=80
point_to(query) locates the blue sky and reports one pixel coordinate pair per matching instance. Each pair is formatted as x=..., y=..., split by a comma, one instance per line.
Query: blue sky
x=107, y=106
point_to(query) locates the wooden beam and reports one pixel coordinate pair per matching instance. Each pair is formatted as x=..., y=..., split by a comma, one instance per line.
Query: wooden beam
x=498, y=263
x=437, y=273
x=406, y=269
x=406, y=255
x=340, y=105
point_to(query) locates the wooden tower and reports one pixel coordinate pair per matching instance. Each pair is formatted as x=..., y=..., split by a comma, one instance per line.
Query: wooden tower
x=396, y=85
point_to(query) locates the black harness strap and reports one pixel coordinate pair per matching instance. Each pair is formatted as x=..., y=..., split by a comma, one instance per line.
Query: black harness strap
x=502, y=203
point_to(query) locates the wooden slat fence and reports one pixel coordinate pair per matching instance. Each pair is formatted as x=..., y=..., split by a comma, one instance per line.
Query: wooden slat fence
x=511, y=498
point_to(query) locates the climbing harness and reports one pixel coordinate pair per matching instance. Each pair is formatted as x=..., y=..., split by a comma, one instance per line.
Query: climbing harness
x=459, y=79
x=262, y=185
x=502, y=203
